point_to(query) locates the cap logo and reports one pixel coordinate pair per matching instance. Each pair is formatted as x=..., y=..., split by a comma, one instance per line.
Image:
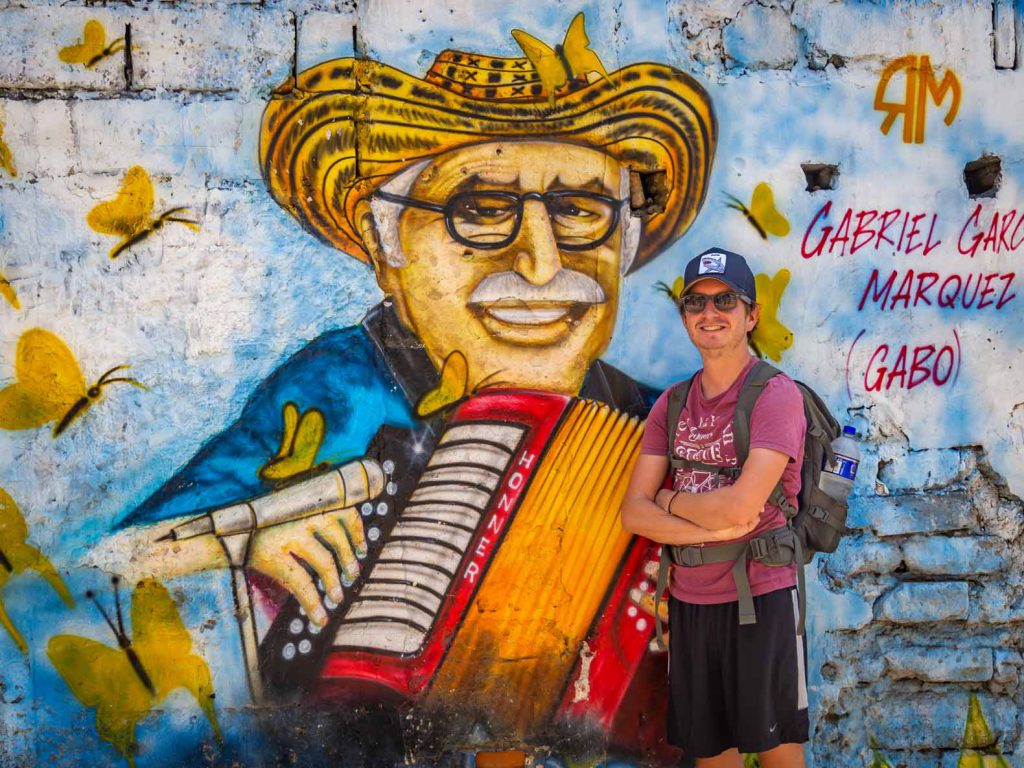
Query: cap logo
x=712, y=264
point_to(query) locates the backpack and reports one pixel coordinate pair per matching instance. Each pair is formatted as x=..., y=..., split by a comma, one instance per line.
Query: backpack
x=816, y=524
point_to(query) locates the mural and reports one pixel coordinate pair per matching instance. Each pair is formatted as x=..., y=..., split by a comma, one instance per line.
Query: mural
x=496, y=421
x=389, y=375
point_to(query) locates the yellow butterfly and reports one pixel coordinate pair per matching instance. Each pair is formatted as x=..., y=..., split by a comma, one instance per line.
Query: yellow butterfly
x=299, y=443
x=130, y=214
x=6, y=158
x=770, y=336
x=50, y=385
x=979, y=741
x=124, y=684
x=673, y=291
x=92, y=49
x=762, y=213
x=568, y=61
x=7, y=291
x=18, y=556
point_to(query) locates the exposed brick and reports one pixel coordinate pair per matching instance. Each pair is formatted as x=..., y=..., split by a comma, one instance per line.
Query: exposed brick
x=1006, y=520
x=995, y=603
x=32, y=38
x=939, y=664
x=927, y=470
x=934, y=720
x=869, y=667
x=844, y=610
x=913, y=602
x=1007, y=666
x=859, y=554
x=926, y=759
x=858, y=30
x=762, y=38
x=954, y=556
x=913, y=513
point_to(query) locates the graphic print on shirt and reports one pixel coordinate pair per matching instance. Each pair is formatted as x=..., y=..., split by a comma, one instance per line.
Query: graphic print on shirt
x=705, y=441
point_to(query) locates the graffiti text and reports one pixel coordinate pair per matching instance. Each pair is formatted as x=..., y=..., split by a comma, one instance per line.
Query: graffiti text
x=906, y=366
x=920, y=83
x=1004, y=233
x=904, y=231
x=976, y=290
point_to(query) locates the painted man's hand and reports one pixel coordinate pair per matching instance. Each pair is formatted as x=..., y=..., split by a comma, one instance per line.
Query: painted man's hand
x=323, y=542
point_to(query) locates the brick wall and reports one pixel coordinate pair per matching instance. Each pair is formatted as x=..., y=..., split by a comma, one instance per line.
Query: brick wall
x=922, y=604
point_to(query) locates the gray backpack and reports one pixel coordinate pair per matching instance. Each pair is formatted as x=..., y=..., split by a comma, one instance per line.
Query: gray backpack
x=815, y=525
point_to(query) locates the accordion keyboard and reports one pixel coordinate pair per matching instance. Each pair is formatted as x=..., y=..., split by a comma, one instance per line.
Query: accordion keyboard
x=395, y=610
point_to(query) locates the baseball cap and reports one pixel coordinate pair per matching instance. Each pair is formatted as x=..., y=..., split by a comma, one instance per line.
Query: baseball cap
x=720, y=264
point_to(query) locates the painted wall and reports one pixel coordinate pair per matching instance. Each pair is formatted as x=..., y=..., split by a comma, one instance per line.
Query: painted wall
x=153, y=214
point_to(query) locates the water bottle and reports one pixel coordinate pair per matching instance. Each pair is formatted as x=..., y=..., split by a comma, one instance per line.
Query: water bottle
x=837, y=478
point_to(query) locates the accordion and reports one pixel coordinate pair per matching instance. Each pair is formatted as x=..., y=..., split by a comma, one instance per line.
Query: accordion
x=505, y=577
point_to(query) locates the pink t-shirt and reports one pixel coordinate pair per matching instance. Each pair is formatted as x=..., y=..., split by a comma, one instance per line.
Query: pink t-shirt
x=705, y=434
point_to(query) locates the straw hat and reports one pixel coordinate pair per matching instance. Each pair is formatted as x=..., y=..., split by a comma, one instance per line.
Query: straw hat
x=344, y=127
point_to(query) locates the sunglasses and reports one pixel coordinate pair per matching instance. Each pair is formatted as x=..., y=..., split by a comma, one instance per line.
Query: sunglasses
x=693, y=303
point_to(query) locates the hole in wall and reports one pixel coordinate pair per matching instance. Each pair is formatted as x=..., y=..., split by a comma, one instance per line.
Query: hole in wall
x=983, y=176
x=648, y=192
x=820, y=176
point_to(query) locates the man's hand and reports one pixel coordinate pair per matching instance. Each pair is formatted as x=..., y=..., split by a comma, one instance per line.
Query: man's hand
x=322, y=541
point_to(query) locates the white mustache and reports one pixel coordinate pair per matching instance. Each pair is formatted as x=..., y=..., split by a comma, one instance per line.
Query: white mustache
x=566, y=286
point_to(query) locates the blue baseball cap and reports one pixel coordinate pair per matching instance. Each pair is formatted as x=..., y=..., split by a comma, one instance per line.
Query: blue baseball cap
x=720, y=264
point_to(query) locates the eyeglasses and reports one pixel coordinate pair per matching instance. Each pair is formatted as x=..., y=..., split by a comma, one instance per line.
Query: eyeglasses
x=491, y=219
x=694, y=303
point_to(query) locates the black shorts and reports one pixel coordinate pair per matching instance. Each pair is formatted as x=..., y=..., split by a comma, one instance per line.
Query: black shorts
x=736, y=686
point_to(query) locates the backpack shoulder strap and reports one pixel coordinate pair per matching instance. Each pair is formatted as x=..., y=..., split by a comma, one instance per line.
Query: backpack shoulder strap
x=676, y=402
x=752, y=388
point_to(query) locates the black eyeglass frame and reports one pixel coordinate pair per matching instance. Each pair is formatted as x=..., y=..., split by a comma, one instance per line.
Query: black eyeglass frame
x=735, y=297
x=448, y=209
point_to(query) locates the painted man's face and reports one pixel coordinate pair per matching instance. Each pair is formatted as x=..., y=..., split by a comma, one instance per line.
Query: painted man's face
x=539, y=308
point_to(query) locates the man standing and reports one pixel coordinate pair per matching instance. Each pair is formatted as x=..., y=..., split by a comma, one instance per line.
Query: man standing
x=737, y=684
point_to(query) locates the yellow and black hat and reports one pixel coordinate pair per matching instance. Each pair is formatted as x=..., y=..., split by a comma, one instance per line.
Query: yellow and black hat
x=340, y=130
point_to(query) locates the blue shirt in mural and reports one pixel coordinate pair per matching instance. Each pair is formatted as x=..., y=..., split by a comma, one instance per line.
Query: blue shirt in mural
x=361, y=379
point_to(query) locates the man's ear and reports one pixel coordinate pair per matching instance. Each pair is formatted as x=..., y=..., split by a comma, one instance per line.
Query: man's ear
x=753, y=317
x=368, y=232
